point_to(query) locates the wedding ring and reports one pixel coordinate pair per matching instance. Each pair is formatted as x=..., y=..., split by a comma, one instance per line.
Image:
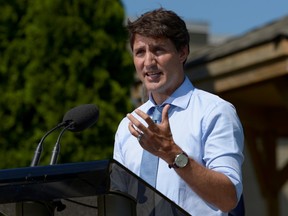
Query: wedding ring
x=139, y=137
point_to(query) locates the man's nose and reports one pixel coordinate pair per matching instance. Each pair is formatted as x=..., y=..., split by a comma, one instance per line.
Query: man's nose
x=150, y=59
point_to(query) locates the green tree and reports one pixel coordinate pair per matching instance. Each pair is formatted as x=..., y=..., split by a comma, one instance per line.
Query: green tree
x=55, y=55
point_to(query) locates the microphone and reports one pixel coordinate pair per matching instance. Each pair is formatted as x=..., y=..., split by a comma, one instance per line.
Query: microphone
x=76, y=119
x=82, y=117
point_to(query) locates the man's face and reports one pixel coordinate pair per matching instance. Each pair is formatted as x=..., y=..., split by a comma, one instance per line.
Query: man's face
x=159, y=65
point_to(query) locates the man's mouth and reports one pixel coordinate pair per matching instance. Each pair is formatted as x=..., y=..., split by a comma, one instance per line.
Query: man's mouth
x=153, y=74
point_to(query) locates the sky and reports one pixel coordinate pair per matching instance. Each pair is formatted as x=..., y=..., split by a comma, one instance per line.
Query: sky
x=224, y=17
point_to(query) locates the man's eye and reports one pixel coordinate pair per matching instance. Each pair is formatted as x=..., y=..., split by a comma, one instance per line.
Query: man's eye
x=159, y=52
x=139, y=52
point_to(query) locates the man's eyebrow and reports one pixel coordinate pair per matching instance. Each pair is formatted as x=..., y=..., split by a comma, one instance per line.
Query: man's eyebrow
x=159, y=45
x=137, y=48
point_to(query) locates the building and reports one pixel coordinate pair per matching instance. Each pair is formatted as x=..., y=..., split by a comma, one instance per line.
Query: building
x=251, y=71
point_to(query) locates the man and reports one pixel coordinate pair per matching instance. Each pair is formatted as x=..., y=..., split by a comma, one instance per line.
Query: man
x=199, y=142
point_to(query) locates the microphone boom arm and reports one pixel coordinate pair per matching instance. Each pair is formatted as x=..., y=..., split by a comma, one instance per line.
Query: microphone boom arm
x=39, y=149
x=56, y=148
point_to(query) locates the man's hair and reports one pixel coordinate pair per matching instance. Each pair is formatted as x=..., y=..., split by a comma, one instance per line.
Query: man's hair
x=160, y=23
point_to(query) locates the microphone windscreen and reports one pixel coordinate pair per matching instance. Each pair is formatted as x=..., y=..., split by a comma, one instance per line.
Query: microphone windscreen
x=83, y=116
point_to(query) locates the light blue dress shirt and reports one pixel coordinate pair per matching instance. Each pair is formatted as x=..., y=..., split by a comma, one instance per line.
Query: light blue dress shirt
x=207, y=128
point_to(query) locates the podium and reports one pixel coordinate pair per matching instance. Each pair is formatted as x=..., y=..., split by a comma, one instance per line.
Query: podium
x=100, y=188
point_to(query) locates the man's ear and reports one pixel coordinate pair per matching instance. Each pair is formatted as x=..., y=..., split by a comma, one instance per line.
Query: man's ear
x=183, y=53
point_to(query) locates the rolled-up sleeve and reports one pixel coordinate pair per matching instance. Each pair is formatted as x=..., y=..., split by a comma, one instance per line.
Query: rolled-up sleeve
x=223, y=141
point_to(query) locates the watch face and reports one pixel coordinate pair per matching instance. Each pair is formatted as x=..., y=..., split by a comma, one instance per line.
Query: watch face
x=181, y=160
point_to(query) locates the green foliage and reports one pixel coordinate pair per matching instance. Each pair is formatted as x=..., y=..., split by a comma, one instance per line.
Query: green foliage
x=55, y=55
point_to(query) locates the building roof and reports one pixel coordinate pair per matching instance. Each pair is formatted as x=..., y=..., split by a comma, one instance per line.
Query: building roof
x=274, y=30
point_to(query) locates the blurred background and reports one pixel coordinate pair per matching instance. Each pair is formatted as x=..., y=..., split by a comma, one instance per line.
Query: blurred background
x=56, y=55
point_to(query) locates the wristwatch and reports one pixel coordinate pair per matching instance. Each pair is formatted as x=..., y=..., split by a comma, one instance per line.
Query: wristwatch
x=180, y=161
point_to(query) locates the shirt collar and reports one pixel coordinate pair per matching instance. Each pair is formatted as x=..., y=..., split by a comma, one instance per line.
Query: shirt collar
x=180, y=97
